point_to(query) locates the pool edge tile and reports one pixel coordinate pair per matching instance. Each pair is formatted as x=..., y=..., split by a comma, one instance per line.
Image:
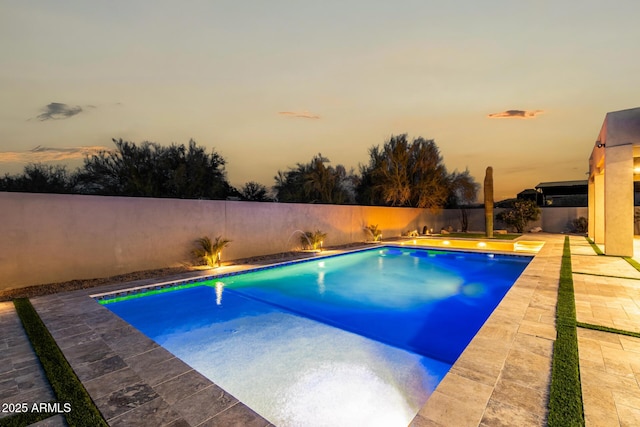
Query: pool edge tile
x=540, y=281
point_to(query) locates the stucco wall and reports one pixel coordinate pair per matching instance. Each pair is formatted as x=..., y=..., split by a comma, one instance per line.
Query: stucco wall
x=52, y=238
x=552, y=220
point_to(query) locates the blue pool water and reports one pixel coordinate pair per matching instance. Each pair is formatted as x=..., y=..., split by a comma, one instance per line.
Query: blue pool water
x=318, y=342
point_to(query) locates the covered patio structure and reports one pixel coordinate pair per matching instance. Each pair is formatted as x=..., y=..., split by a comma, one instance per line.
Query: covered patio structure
x=614, y=165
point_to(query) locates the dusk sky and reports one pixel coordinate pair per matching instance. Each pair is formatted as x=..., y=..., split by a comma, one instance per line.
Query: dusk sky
x=520, y=86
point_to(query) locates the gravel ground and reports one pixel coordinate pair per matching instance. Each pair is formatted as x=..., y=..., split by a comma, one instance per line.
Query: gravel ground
x=72, y=285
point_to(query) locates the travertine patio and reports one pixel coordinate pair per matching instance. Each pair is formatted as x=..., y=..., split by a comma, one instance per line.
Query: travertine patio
x=607, y=293
x=502, y=378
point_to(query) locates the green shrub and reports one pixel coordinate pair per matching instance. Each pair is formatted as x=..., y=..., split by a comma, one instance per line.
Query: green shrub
x=210, y=252
x=580, y=225
x=312, y=240
x=376, y=233
x=520, y=214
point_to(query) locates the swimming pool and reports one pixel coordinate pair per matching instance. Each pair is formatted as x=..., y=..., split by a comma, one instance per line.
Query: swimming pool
x=318, y=342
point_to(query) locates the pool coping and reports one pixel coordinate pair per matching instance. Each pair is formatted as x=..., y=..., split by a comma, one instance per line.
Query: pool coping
x=502, y=377
x=102, y=296
x=504, y=374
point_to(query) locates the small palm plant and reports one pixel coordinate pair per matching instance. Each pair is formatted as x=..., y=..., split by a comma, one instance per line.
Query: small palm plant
x=210, y=251
x=312, y=240
x=376, y=233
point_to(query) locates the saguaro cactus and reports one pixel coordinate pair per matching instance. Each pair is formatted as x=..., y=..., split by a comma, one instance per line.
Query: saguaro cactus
x=488, y=202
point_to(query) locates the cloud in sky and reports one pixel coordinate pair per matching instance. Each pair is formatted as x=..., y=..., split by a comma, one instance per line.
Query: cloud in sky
x=301, y=115
x=515, y=114
x=57, y=110
x=49, y=154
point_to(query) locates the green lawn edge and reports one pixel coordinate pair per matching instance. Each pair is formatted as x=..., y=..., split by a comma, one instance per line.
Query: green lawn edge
x=595, y=247
x=607, y=329
x=584, y=273
x=64, y=382
x=633, y=262
x=565, y=396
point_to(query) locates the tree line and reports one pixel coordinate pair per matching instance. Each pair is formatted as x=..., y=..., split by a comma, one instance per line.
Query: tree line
x=401, y=172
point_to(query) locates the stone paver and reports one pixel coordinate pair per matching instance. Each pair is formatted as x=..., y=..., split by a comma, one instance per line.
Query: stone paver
x=55, y=421
x=608, y=301
x=610, y=375
x=608, y=294
x=583, y=261
x=131, y=379
x=22, y=379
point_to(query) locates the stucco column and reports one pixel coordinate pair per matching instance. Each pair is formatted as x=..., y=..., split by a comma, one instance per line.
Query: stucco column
x=618, y=209
x=592, y=209
x=598, y=209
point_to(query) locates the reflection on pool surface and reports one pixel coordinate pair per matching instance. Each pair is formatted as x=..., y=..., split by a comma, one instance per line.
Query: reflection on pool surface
x=319, y=342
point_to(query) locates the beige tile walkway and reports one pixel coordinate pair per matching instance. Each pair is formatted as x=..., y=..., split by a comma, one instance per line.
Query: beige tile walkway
x=503, y=377
x=607, y=293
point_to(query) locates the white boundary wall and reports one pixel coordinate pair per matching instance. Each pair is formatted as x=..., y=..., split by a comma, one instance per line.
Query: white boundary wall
x=47, y=238
x=552, y=220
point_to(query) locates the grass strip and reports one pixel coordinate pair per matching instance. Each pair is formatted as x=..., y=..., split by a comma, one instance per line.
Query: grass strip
x=64, y=382
x=607, y=329
x=595, y=247
x=584, y=273
x=565, y=396
x=633, y=262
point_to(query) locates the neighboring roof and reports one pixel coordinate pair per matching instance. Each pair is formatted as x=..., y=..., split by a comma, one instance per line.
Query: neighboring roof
x=563, y=184
x=563, y=188
x=506, y=203
x=528, y=191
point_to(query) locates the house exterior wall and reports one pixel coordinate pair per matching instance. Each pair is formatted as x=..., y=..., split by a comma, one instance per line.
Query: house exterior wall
x=611, y=172
x=599, y=202
x=592, y=209
x=618, y=207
